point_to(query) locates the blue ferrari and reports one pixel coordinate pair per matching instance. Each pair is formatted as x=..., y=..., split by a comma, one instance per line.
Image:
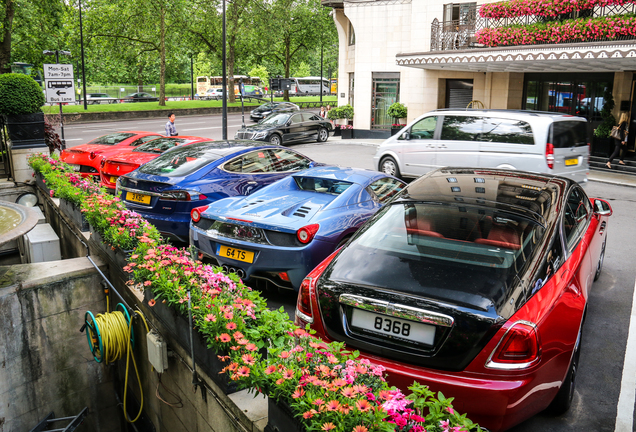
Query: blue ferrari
x=166, y=189
x=281, y=232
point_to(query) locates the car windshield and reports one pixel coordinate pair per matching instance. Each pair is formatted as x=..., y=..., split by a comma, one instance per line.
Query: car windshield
x=182, y=161
x=409, y=246
x=159, y=145
x=323, y=185
x=267, y=106
x=112, y=139
x=276, y=119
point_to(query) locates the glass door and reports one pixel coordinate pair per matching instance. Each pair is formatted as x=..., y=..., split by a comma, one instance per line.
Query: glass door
x=385, y=92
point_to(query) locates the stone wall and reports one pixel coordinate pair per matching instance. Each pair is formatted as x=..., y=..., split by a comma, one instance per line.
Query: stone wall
x=45, y=361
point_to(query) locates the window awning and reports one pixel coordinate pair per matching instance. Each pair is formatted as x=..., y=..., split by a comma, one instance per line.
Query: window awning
x=574, y=57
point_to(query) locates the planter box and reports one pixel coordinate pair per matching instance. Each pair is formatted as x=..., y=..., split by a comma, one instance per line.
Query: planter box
x=347, y=133
x=336, y=132
x=26, y=130
x=39, y=182
x=117, y=256
x=74, y=213
x=281, y=419
x=395, y=130
x=206, y=359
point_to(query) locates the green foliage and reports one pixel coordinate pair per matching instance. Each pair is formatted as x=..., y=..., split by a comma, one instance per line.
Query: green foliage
x=341, y=112
x=19, y=94
x=397, y=110
x=261, y=72
x=302, y=70
x=603, y=130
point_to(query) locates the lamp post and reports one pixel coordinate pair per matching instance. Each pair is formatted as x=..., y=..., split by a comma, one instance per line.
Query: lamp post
x=57, y=53
x=224, y=81
x=82, y=49
x=191, y=77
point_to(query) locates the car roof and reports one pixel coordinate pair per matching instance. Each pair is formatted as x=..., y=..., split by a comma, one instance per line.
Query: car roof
x=531, y=195
x=225, y=148
x=506, y=112
x=354, y=175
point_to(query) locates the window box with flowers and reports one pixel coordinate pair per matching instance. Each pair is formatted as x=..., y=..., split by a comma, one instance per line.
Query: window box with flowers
x=346, y=131
x=396, y=127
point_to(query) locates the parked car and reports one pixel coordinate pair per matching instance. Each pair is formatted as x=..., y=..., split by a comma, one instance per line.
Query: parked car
x=117, y=165
x=98, y=98
x=284, y=128
x=269, y=108
x=540, y=142
x=281, y=232
x=140, y=97
x=86, y=158
x=472, y=281
x=213, y=93
x=166, y=189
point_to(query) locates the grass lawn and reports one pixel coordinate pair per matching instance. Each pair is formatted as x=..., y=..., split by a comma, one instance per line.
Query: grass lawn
x=170, y=105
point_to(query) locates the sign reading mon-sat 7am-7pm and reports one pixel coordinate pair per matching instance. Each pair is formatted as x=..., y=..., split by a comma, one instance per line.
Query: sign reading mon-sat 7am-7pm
x=58, y=83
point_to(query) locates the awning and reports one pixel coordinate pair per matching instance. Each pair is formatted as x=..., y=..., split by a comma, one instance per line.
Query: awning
x=574, y=57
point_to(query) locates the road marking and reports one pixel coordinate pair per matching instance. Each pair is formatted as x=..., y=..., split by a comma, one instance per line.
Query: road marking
x=211, y=127
x=627, y=397
x=73, y=139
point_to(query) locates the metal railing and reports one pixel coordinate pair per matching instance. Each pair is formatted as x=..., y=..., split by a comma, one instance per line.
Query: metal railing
x=460, y=34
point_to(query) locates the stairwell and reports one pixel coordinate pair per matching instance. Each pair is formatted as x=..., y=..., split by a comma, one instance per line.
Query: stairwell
x=597, y=163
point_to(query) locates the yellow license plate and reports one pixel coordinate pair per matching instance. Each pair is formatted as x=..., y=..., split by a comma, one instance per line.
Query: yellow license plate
x=144, y=199
x=113, y=179
x=236, y=254
x=570, y=162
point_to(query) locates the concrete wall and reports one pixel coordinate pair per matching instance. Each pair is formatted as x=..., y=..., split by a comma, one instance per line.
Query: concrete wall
x=45, y=361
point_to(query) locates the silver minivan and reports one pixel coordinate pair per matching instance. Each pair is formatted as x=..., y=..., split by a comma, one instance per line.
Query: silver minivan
x=542, y=142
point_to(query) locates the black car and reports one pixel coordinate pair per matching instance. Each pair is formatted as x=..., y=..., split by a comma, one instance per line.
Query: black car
x=272, y=107
x=288, y=127
x=140, y=97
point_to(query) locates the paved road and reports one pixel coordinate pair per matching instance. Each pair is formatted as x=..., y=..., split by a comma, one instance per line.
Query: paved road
x=606, y=331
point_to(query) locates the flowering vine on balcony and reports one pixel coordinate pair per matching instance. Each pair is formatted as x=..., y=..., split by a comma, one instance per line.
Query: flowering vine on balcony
x=582, y=29
x=542, y=8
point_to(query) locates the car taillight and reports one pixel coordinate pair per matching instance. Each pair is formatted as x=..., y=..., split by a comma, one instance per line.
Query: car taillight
x=195, y=214
x=182, y=196
x=307, y=233
x=519, y=348
x=549, y=155
x=307, y=297
x=102, y=163
x=92, y=155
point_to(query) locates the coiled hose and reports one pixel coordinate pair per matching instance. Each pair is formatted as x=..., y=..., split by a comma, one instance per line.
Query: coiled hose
x=110, y=336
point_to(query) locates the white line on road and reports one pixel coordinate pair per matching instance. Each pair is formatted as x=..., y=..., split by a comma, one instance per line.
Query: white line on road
x=211, y=127
x=627, y=397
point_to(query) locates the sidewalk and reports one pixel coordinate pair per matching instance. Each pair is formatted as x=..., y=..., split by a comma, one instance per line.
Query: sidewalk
x=596, y=176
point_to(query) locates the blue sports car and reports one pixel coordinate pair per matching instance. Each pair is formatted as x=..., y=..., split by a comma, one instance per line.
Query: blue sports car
x=284, y=230
x=166, y=189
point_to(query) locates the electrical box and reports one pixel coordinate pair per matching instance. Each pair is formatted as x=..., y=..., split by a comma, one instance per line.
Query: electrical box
x=40, y=244
x=157, y=351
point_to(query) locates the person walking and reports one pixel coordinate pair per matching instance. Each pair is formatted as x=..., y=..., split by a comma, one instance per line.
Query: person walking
x=171, y=129
x=620, y=145
x=323, y=113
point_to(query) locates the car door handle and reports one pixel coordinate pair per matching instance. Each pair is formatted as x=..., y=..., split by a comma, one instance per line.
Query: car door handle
x=430, y=146
x=602, y=229
x=442, y=146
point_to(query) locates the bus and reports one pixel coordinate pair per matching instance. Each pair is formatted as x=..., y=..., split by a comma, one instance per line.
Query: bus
x=251, y=85
x=309, y=86
x=334, y=86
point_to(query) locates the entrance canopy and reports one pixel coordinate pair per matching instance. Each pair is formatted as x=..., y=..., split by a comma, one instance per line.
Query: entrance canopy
x=574, y=57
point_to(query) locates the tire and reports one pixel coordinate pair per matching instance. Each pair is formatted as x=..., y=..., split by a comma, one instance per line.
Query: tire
x=389, y=166
x=275, y=139
x=323, y=135
x=563, y=400
x=599, y=265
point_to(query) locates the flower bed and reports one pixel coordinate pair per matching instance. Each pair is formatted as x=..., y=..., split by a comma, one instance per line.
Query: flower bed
x=583, y=29
x=543, y=8
x=326, y=386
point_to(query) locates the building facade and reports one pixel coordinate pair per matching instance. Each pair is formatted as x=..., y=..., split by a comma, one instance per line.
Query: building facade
x=429, y=54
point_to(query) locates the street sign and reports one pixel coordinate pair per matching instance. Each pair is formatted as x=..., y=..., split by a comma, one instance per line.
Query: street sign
x=58, y=83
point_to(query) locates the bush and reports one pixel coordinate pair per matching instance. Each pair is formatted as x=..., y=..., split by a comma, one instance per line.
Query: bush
x=603, y=130
x=341, y=112
x=397, y=111
x=20, y=94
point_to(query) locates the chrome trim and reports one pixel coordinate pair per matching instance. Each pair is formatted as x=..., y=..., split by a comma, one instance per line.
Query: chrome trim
x=140, y=192
x=304, y=317
x=397, y=310
x=516, y=366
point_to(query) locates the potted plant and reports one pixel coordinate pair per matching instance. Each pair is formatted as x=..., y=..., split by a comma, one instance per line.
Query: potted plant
x=21, y=100
x=346, y=131
x=397, y=111
x=602, y=141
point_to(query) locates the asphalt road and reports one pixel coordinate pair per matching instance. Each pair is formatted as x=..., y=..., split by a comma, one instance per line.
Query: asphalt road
x=606, y=329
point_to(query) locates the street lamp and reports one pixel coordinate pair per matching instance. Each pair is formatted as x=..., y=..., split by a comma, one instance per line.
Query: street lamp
x=57, y=53
x=82, y=49
x=224, y=81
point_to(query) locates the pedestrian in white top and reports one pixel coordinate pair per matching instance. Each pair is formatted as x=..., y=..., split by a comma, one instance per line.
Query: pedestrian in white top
x=171, y=129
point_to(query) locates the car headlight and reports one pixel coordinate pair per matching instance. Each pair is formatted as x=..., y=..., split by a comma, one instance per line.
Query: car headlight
x=259, y=135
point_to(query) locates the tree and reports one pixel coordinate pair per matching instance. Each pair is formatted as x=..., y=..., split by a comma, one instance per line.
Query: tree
x=261, y=72
x=302, y=70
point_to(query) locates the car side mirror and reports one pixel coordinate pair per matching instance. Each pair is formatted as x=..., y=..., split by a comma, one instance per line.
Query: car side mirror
x=288, y=123
x=405, y=135
x=602, y=207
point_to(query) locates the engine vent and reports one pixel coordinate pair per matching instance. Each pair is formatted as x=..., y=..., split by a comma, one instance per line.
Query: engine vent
x=302, y=211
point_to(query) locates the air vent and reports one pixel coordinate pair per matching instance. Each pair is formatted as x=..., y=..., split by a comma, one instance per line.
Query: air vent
x=302, y=211
x=252, y=203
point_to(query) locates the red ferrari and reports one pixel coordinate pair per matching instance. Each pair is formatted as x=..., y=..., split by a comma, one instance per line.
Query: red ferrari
x=86, y=158
x=474, y=282
x=113, y=166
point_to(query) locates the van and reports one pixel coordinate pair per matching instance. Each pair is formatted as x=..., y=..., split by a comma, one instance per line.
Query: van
x=542, y=142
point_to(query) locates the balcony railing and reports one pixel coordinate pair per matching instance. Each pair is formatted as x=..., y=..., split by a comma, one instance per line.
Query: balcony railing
x=460, y=34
